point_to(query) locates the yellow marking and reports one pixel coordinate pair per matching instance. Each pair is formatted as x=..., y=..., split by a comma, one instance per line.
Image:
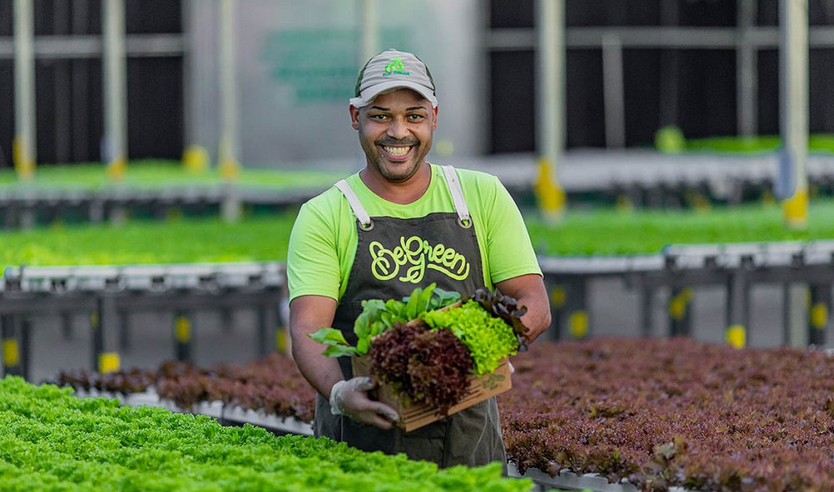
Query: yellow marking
x=229, y=167
x=108, y=362
x=795, y=209
x=281, y=340
x=558, y=295
x=736, y=336
x=23, y=163
x=623, y=204
x=578, y=324
x=550, y=194
x=819, y=316
x=182, y=329
x=116, y=168
x=679, y=304
x=11, y=352
x=94, y=319
x=195, y=159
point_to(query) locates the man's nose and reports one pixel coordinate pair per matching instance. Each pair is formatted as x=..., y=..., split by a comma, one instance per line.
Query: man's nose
x=398, y=129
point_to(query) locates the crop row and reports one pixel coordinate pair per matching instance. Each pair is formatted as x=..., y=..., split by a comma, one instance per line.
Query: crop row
x=265, y=238
x=665, y=413
x=51, y=440
x=160, y=173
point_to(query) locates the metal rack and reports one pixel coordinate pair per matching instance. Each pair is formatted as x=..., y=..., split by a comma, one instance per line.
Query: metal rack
x=20, y=205
x=736, y=267
x=110, y=293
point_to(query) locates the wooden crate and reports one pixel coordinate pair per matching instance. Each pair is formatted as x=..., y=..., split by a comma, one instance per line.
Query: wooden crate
x=413, y=416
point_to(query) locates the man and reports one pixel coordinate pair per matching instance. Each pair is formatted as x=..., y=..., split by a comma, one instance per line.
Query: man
x=370, y=236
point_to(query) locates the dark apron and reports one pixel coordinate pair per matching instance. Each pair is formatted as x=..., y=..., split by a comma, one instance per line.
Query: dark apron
x=471, y=437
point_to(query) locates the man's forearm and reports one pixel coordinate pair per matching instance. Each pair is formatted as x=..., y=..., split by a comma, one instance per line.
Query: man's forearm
x=320, y=371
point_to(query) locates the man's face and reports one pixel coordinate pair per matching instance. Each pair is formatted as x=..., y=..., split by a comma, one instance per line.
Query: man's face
x=395, y=132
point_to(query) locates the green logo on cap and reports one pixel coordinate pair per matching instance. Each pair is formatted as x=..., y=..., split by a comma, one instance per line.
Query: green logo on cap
x=395, y=67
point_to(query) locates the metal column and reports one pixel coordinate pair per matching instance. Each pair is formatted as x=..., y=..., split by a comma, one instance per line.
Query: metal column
x=818, y=315
x=182, y=336
x=680, y=314
x=576, y=318
x=793, y=58
x=11, y=345
x=115, y=89
x=267, y=327
x=558, y=296
x=738, y=309
x=104, y=323
x=645, y=310
x=24, y=68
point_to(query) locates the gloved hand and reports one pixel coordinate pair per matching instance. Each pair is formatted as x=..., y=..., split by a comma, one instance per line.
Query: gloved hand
x=350, y=398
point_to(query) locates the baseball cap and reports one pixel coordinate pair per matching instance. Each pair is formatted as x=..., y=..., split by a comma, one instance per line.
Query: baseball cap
x=390, y=70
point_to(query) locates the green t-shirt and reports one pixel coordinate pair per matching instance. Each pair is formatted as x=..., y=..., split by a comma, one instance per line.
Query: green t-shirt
x=323, y=241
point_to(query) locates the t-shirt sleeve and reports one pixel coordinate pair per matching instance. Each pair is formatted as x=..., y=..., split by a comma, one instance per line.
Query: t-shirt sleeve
x=312, y=259
x=509, y=248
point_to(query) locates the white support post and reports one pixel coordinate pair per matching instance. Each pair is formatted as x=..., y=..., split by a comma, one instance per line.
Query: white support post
x=793, y=57
x=115, y=88
x=550, y=95
x=229, y=137
x=195, y=157
x=231, y=208
x=613, y=92
x=746, y=71
x=24, y=149
x=368, y=31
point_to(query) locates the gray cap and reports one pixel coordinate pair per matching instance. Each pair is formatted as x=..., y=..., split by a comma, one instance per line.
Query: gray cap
x=391, y=70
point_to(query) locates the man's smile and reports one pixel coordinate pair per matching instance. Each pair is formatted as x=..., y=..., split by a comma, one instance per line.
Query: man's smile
x=396, y=152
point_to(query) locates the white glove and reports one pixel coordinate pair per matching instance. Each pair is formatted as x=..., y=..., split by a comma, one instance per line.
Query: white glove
x=350, y=398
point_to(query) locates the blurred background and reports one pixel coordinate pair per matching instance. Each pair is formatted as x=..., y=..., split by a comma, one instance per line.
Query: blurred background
x=673, y=160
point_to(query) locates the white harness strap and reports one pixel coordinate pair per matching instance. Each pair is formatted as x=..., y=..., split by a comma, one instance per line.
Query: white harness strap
x=457, y=196
x=452, y=182
x=355, y=204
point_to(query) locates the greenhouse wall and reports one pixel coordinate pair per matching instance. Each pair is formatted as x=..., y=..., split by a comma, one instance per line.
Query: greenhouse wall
x=296, y=66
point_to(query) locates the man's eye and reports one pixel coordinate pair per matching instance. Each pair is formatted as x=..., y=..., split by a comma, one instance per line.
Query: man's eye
x=415, y=117
x=378, y=117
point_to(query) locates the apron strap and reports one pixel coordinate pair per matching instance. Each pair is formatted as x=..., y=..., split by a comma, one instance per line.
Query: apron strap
x=355, y=205
x=464, y=219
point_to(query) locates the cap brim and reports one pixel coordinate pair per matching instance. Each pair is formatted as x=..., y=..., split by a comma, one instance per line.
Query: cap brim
x=369, y=94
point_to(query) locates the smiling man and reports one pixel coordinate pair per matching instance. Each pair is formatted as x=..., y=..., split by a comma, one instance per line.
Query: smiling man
x=401, y=223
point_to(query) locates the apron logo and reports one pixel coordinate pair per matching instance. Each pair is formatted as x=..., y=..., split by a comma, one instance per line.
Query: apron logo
x=414, y=255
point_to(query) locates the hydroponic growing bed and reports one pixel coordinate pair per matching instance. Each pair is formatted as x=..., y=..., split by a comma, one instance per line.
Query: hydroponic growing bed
x=266, y=238
x=660, y=414
x=50, y=440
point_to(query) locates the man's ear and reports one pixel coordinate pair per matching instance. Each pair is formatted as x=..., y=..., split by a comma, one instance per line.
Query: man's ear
x=434, y=123
x=354, y=117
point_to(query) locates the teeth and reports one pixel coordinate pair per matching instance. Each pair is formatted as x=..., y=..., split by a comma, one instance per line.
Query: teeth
x=397, y=151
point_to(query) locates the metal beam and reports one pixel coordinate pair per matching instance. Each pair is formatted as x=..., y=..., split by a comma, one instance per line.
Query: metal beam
x=86, y=46
x=522, y=39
